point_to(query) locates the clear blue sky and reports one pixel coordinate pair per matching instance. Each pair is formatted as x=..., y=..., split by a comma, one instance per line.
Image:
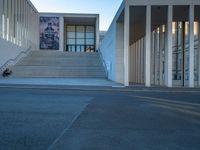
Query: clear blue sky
x=106, y=8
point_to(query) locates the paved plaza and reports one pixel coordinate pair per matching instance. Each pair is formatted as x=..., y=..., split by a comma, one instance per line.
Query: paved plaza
x=97, y=119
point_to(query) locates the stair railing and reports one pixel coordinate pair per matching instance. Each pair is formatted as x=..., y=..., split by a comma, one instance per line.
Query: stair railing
x=12, y=61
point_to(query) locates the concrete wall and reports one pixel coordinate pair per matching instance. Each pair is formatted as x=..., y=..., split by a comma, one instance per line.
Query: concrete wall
x=112, y=48
x=9, y=51
x=18, y=26
x=120, y=52
x=108, y=50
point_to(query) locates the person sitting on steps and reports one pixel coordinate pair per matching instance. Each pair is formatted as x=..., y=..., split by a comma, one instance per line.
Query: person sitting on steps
x=6, y=72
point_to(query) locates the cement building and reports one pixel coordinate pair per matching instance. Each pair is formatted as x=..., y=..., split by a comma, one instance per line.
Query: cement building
x=149, y=42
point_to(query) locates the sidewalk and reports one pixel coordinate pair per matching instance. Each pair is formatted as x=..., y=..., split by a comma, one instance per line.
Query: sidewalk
x=59, y=81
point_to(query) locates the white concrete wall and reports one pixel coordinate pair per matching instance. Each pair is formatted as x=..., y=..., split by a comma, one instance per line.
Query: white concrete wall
x=18, y=29
x=108, y=50
x=8, y=51
x=120, y=53
x=112, y=49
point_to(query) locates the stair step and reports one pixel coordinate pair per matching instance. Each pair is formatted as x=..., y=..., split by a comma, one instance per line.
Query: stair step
x=59, y=64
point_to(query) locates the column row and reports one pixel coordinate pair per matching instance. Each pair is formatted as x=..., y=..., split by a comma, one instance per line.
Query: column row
x=152, y=69
x=19, y=22
x=136, y=61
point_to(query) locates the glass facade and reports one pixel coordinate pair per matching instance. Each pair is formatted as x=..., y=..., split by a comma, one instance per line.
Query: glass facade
x=80, y=38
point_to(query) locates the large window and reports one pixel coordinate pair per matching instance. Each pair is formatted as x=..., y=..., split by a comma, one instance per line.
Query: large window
x=80, y=38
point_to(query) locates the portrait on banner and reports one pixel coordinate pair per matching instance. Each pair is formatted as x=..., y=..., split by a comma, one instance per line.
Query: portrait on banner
x=49, y=33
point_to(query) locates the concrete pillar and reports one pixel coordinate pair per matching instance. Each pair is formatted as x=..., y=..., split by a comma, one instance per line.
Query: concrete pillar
x=5, y=20
x=126, y=45
x=191, y=46
x=1, y=22
x=138, y=49
x=18, y=20
x=152, y=57
x=15, y=20
x=134, y=53
x=136, y=62
x=142, y=60
x=161, y=47
x=25, y=23
x=97, y=33
x=8, y=19
x=139, y=64
x=29, y=29
x=168, y=54
x=61, y=34
x=21, y=23
x=199, y=53
x=148, y=47
x=156, y=56
x=131, y=64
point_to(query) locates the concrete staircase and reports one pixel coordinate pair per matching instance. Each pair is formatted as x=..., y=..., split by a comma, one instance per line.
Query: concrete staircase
x=54, y=64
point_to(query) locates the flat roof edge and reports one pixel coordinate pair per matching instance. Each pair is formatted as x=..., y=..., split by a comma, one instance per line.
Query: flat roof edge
x=33, y=7
x=68, y=14
x=118, y=13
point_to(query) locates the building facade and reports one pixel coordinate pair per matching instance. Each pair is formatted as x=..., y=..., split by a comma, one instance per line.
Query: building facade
x=24, y=29
x=69, y=32
x=150, y=42
x=18, y=30
x=154, y=43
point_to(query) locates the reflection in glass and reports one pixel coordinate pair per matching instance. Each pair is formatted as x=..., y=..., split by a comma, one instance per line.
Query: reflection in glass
x=80, y=38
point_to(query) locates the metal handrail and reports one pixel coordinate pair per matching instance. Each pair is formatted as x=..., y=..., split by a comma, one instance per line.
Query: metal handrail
x=11, y=61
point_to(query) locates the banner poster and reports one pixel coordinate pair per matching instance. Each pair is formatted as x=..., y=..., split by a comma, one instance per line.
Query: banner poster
x=49, y=33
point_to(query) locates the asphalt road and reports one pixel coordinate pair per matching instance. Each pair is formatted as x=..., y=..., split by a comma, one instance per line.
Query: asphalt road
x=48, y=119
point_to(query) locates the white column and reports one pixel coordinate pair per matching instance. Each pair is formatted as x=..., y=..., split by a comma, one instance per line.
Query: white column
x=9, y=21
x=134, y=63
x=1, y=22
x=191, y=46
x=16, y=15
x=136, y=58
x=152, y=57
x=168, y=54
x=139, y=64
x=142, y=60
x=126, y=45
x=61, y=37
x=161, y=37
x=156, y=57
x=199, y=54
x=97, y=33
x=12, y=20
x=148, y=47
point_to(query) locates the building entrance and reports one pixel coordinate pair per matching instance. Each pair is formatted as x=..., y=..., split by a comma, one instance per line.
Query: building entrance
x=80, y=38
